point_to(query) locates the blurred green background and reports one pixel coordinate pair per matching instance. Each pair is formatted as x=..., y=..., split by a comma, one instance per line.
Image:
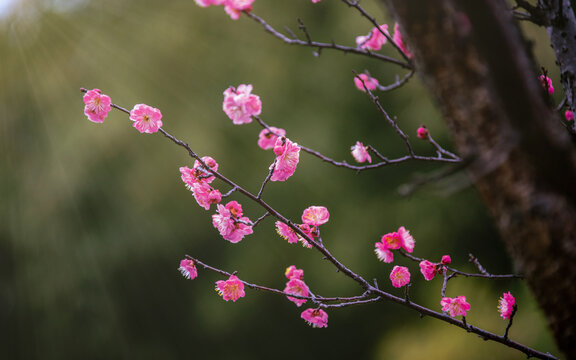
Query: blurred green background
x=95, y=217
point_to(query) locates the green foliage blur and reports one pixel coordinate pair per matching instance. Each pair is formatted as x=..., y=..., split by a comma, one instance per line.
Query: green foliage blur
x=95, y=217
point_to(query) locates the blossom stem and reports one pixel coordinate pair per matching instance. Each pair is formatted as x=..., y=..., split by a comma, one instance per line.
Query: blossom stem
x=514, y=308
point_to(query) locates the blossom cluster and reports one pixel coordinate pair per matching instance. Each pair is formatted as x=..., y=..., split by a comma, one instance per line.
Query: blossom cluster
x=312, y=218
x=546, y=83
x=430, y=269
x=198, y=181
x=377, y=38
x=393, y=241
x=233, y=8
x=365, y=81
x=147, y=119
x=231, y=223
x=240, y=104
x=374, y=42
x=296, y=285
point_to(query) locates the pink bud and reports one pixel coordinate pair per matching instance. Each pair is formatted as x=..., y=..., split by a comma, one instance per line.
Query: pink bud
x=446, y=260
x=422, y=132
x=569, y=115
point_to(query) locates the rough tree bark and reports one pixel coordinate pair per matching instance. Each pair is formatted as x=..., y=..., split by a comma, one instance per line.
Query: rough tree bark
x=473, y=58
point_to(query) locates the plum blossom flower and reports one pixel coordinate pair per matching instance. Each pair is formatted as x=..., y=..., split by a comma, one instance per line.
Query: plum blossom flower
x=569, y=115
x=296, y=286
x=446, y=260
x=400, y=276
x=315, y=1
x=188, y=269
x=231, y=289
x=407, y=239
x=97, y=105
x=267, y=137
x=234, y=8
x=455, y=306
x=315, y=215
x=428, y=269
x=286, y=232
x=397, y=37
x=315, y=317
x=287, y=157
x=392, y=240
x=205, y=195
x=360, y=153
x=506, y=305
x=422, y=133
x=240, y=105
x=146, y=118
x=292, y=272
x=230, y=222
x=547, y=84
x=365, y=80
x=383, y=253
x=374, y=40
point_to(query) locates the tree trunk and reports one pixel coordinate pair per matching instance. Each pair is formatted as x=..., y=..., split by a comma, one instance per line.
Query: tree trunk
x=472, y=56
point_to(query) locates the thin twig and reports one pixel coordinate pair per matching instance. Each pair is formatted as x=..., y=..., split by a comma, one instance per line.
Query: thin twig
x=319, y=45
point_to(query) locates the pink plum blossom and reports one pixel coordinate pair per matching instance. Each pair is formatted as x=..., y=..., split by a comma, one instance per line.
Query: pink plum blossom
x=365, y=80
x=292, y=272
x=188, y=269
x=146, y=118
x=286, y=232
x=240, y=105
x=547, y=84
x=428, y=269
x=392, y=240
x=267, y=138
x=569, y=115
x=422, y=133
x=315, y=215
x=97, y=105
x=506, y=305
x=400, y=276
x=230, y=222
x=315, y=317
x=446, y=260
x=234, y=8
x=315, y=1
x=205, y=195
x=407, y=239
x=287, y=157
x=296, y=286
x=231, y=289
x=455, y=306
x=374, y=40
x=360, y=153
x=397, y=37
x=383, y=253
